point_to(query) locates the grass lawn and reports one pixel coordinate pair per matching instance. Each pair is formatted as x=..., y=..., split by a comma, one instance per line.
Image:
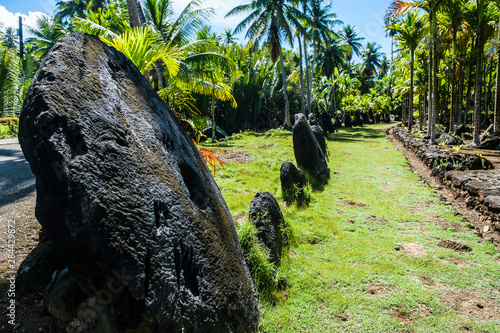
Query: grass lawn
x=365, y=256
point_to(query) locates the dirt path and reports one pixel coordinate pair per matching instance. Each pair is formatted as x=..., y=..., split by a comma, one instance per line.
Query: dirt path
x=17, y=206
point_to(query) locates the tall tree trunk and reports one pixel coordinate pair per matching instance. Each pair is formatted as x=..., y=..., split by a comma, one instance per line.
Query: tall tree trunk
x=136, y=16
x=496, y=126
x=453, y=109
x=287, y=123
x=434, y=74
x=429, y=99
x=308, y=79
x=422, y=118
x=334, y=102
x=489, y=87
x=301, y=59
x=479, y=75
x=460, y=92
x=410, y=106
x=469, y=83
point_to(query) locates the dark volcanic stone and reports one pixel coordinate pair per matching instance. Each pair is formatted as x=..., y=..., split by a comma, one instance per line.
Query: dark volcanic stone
x=312, y=119
x=493, y=203
x=35, y=272
x=293, y=183
x=65, y=296
x=449, y=139
x=318, y=134
x=493, y=143
x=308, y=153
x=127, y=199
x=265, y=214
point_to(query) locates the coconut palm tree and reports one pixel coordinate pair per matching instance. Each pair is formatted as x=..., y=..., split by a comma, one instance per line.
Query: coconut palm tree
x=45, y=35
x=409, y=33
x=371, y=59
x=400, y=7
x=275, y=21
x=496, y=122
x=479, y=73
x=8, y=38
x=228, y=37
x=452, y=11
x=350, y=36
x=70, y=8
x=320, y=27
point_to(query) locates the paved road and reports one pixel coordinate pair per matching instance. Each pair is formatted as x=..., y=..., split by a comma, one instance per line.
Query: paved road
x=16, y=179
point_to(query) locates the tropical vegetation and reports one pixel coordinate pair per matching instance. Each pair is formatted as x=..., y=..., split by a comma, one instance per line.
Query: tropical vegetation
x=215, y=80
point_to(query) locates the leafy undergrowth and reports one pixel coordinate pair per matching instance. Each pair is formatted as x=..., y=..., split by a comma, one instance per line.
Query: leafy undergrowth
x=366, y=255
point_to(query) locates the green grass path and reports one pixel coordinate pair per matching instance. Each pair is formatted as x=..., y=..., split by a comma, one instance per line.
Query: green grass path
x=365, y=257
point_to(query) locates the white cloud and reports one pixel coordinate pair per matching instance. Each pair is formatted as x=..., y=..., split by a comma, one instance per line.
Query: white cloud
x=8, y=19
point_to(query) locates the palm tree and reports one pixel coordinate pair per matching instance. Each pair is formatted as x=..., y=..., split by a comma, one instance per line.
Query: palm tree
x=452, y=11
x=385, y=67
x=409, y=32
x=71, y=8
x=273, y=20
x=399, y=7
x=228, y=37
x=320, y=27
x=8, y=38
x=479, y=73
x=45, y=35
x=330, y=58
x=371, y=59
x=496, y=122
x=350, y=36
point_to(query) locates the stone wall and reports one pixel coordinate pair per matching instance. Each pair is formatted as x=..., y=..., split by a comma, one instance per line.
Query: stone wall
x=470, y=176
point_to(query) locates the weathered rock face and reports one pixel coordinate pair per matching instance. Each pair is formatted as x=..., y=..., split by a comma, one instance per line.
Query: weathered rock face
x=312, y=119
x=127, y=200
x=307, y=150
x=318, y=134
x=293, y=183
x=265, y=214
x=449, y=139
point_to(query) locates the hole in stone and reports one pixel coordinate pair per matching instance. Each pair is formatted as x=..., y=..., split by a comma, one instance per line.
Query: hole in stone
x=195, y=186
x=185, y=268
x=161, y=212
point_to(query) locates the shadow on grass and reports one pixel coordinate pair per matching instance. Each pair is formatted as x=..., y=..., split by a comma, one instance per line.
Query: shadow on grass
x=356, y=134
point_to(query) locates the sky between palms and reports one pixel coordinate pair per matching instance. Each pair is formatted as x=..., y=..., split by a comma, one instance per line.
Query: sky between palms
x=366, y=15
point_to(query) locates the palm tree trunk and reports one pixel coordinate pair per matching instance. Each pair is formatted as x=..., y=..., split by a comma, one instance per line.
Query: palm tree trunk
x=434, y=83
x=334, y=102
x=488, y=88
x=410, y=106
x=308, y=79
x=469, y=84
x=287, y=123
x=429, y=98
x=460, y=92
x=136, y=16
x=496, y=127
x=453, y=82
x=479, y=75
x=302, y=97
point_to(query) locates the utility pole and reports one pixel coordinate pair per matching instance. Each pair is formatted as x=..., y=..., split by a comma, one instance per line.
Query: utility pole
x=21, y=46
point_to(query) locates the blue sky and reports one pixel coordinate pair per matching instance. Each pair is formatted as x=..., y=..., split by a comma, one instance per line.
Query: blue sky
x=366, y=15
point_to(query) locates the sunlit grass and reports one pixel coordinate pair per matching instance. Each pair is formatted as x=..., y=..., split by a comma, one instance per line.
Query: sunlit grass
x=343, y=270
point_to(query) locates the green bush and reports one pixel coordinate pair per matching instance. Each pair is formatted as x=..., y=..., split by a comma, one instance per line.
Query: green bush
x=262, y=271
x=4, y=132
